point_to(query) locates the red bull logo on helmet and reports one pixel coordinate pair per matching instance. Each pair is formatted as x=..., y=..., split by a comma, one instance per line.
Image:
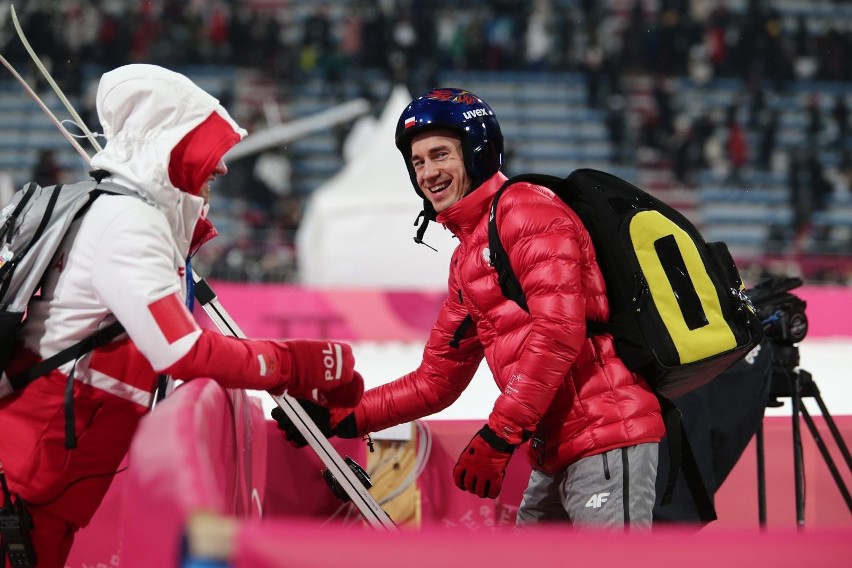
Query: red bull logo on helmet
x=461, y=97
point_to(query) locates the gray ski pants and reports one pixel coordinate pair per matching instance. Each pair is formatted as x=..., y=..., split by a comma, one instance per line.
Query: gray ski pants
x=615, y=489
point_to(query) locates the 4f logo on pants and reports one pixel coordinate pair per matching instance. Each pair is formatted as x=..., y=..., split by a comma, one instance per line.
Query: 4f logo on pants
x=596, y=500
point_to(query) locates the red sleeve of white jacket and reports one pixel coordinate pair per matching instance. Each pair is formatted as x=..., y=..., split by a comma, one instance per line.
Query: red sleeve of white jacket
x=543, y=240
x=438, y=381
x=234, y=363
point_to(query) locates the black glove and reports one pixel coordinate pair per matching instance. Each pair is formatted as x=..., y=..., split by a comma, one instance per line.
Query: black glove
x=336, y=422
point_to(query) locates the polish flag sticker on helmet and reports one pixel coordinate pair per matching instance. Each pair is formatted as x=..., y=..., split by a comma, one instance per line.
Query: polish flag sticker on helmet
x=172, y=317
x=409, y=121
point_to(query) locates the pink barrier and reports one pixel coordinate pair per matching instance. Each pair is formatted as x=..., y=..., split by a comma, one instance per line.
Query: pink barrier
x=829, y=309
x=278, y=544
x=295, y=486
x=280, y=311
x=188, y=456
x=443, y=505
x=201, y=449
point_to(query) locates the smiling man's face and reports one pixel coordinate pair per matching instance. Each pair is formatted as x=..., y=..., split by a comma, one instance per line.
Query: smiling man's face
x=438, y=162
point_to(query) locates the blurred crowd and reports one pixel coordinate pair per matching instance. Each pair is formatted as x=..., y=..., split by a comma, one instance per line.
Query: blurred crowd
x=752, y=39
x=768, y=46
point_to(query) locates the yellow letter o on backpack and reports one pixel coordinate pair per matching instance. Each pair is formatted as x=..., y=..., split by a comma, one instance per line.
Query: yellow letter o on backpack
x=680, y=287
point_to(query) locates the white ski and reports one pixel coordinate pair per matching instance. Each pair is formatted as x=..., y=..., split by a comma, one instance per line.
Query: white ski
x=346, y=478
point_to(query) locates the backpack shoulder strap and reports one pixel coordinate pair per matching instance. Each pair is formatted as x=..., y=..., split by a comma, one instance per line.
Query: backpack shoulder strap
x=506, y=276
x=97, y=339
x=28, y=192
x=499, y=259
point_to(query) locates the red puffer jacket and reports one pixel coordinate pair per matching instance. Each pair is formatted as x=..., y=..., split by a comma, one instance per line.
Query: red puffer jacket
x=573, y=391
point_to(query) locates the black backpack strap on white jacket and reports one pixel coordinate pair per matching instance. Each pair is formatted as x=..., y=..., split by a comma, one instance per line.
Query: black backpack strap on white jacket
x=97, y=339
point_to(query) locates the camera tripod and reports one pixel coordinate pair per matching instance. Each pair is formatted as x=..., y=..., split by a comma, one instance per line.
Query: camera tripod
x=790, y=381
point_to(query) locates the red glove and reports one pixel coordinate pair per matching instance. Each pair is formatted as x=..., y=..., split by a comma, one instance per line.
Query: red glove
x=320, y=371
x=323, y=371
x=482, y=465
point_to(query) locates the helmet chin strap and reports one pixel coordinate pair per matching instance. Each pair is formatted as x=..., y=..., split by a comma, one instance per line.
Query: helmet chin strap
x=422, y=229
x=429, y=214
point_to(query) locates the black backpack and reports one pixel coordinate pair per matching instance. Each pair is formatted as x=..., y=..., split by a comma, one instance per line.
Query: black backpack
x=679, y=315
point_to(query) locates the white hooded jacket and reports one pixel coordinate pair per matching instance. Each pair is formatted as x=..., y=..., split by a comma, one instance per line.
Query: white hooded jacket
x=145, y=111
x=127, y=253
x=125, y=260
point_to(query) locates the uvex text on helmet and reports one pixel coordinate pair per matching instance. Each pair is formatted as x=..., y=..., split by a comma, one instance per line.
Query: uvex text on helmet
x=459, y=111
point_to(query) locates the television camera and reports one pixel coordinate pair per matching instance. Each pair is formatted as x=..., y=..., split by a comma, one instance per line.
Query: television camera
x=784, y=319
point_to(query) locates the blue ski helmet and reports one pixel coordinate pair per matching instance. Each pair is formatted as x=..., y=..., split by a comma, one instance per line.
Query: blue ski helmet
x=464, y=113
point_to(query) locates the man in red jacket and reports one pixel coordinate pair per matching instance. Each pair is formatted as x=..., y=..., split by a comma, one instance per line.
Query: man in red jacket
x=592, y=427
